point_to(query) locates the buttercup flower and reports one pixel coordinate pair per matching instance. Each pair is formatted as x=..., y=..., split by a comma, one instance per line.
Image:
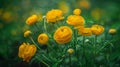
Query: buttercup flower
x=97, y=29
x=77, y=12
x=26, y=51
x=75, y=20
x=112, y=31
x=54, y=15
x=27, y=33
x=85, y=32
x=32, y=19
x=43, y=39
x=63, y=35
x=70, y=51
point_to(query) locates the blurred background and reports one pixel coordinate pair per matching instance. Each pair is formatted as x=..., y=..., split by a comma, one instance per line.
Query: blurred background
x=13, y=14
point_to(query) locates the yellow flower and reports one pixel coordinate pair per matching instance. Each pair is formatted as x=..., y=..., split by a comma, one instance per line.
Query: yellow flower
x=63, y=35
x=26, y=51
x=84, y=4
x=43, y=39
x=112, y=31
x=54, y=15
x=85, y=31
x=27, y=33
x=70, y=51
x=75, y=20
x=64, y=7
x=97, y=29
x=77, y=12
x=32, y=19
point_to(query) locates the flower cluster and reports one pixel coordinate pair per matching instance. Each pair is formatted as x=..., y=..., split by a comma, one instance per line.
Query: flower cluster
x=67, y=34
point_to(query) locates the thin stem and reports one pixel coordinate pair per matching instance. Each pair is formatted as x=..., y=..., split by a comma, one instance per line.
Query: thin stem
x=34, y=42
x=37, y=25
x=45, y=28
x=84, y=57
x=44, y=63
x=70, y=60
x=75, y=40
x=95, y=43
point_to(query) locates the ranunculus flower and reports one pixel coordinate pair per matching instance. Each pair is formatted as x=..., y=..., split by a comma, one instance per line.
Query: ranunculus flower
x=32, y=19
x=85, y=31
x=97, y=29
x=43, y=39
x=54, y=15
x=27, y=51
x=63, y=35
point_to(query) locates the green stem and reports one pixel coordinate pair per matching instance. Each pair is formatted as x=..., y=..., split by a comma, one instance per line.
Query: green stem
x=34, y=42
x=75, y=40
x=70, y=60
x=95, y=43
x=37, y=25
x=44, y=63
x=45, y=28
x=84, y=57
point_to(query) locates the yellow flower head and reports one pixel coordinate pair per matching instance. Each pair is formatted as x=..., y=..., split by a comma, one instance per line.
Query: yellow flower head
x=63, y=35
x=54, y=15
x=85, y=31
x=75, y=20
x=32, y=19
x=26, y=51
x=77, y=12
x=112, y=31
x=27, y=33
x=97, y=29
x=70, y=51
x=43, y=39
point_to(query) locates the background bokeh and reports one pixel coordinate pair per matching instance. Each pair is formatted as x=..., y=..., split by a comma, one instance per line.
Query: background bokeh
x=13, y=14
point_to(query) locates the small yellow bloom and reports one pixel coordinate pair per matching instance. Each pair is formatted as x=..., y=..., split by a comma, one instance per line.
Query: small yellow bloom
x=54, y=15
x=112, y=31
x=75, y=20
x=70, y=51
x=85, y=31
x=27, y=33
x=97, y=29
x=26, y=51
x=63, y=35
x=77, y=12
x=32, y=19
x=43, y=39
